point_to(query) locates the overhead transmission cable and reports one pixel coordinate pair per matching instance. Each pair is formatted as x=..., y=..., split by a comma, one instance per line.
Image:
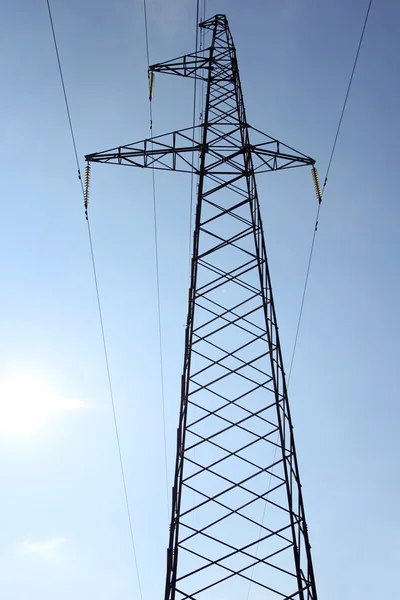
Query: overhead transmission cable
x=100, y=312
x=160, y=336
x=324, y=186
x=319, y=197
x=198, y=90
x=194, y=119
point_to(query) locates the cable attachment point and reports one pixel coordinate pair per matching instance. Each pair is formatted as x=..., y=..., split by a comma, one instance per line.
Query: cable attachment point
x=317, y=187
x=87, y=185
x=150, y=75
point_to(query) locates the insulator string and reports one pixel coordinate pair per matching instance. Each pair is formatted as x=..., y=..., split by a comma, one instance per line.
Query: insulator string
x=317, y=187
x=86, y=192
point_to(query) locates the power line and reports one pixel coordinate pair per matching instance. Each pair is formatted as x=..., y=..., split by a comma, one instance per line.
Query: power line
x=100, y=312
x=304, y=294
x=325, y=182
x=194, y=116
x=113, y=408
x=160, y=337
x=312, y=251
x=348, y=91
x=64, y=92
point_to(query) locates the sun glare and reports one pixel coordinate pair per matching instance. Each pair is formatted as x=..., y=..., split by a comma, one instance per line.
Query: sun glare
x=28, y=403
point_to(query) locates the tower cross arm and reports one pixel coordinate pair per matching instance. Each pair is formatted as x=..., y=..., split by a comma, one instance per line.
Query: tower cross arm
x=270, y=160
x=188, y=65
x=175, y=151
x=269, y=154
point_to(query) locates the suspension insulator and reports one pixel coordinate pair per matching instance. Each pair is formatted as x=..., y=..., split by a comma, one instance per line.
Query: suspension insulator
x=151, y=84
x=87, y=185
x=318, y=193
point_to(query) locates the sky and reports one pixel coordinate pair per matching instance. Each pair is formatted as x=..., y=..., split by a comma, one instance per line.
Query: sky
x=63, y=520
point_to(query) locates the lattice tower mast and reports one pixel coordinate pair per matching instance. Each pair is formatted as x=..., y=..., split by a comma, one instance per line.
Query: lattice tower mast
x=237, y=507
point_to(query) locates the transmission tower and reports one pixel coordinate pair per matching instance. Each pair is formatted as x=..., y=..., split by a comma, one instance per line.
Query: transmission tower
x=238, y=526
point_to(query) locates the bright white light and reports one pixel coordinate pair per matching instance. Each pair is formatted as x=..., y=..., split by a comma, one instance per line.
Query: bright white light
x=28, y=403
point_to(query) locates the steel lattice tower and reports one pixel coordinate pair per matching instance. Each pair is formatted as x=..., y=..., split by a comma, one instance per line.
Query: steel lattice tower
x=237, y=507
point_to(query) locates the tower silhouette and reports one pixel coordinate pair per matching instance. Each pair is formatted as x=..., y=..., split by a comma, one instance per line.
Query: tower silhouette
x=238, y=524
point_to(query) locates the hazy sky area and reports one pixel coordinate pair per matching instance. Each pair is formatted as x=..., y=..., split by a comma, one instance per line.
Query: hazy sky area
x=63, y=522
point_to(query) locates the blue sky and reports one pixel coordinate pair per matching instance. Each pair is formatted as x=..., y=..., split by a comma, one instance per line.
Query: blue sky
x=63, y=519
